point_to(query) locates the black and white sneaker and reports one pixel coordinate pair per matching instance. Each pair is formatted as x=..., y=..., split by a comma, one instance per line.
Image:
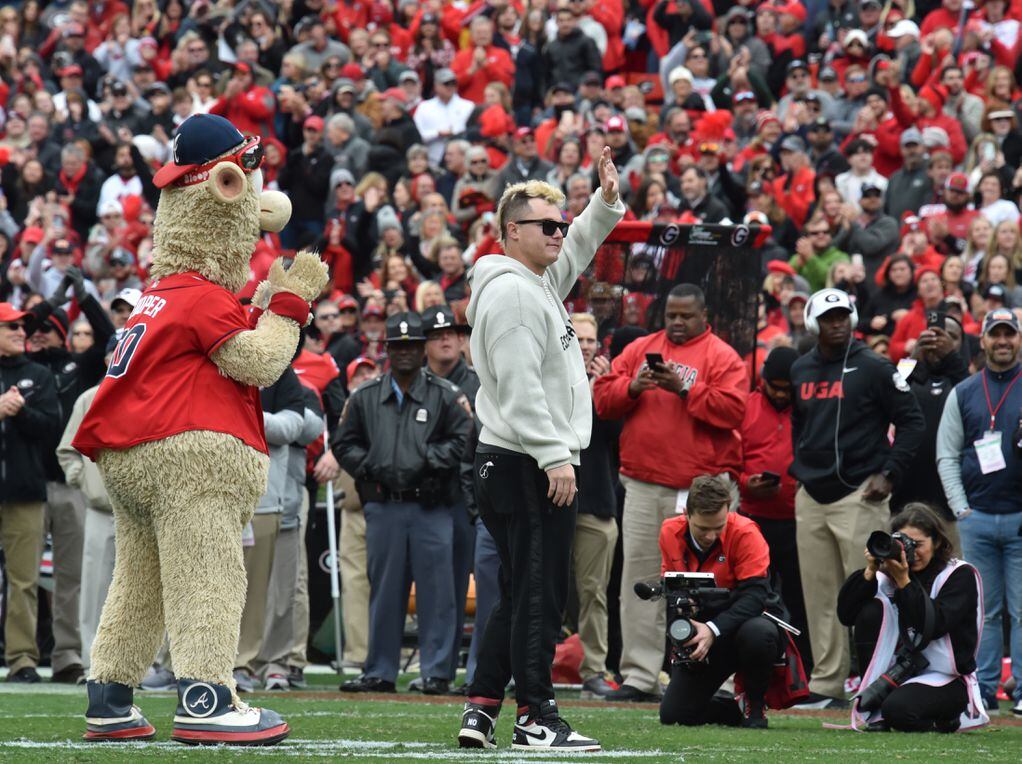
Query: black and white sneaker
x=545, y=729
x=477, y=725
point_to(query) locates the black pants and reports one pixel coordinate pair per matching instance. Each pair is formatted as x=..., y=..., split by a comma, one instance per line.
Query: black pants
x=752, y=650
x=780, y=537
x=911, y=707
x=533, y=539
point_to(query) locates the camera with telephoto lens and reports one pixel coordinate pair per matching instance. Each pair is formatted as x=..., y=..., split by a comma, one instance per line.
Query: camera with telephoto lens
x=686, y=595
x=888, y=546
x=909, y=662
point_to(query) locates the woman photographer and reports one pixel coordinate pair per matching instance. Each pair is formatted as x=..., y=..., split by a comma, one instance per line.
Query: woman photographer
x=934, y=595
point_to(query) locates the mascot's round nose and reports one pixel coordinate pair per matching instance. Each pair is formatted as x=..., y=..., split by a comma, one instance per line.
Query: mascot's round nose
x=274, y=211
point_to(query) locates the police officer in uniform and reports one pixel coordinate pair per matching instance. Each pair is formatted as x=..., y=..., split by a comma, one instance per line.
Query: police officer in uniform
x=402, y=438
x=444, y=339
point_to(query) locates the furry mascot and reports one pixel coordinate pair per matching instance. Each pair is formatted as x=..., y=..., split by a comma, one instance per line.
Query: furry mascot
x=176, y=429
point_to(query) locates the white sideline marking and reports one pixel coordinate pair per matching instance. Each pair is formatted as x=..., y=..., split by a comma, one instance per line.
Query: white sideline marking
x=376, y=749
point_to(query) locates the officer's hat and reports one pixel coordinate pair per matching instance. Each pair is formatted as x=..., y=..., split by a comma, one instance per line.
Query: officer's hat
x=440, y=317
x=405, y=327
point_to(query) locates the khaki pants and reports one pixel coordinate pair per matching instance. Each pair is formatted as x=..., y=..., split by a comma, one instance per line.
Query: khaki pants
x=278, y=631
x=831, y=543
x=65, y=518
x=97, y=573
x=258, y=566
x=354, y=576
x=643, y=625
x=298, y=657
x=21, y=537
x=595, y=538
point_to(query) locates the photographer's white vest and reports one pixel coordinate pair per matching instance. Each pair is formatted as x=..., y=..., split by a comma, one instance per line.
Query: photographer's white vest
x=939, y=652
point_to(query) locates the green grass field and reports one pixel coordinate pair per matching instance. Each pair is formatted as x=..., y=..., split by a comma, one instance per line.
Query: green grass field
x=44, y=724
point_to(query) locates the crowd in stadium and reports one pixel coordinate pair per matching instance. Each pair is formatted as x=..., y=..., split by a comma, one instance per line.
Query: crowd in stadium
x=879, y=141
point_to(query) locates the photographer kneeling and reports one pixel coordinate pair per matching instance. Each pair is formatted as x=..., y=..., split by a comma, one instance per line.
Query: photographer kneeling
x=917, y=616
x=732, y=636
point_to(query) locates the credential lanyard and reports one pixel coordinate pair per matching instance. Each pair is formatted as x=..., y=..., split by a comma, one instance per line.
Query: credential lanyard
x=986, y=390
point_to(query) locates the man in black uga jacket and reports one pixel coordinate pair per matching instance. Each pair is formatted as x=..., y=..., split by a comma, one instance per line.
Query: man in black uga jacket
x=845, y=399
x=73, y=374
x=29, y=421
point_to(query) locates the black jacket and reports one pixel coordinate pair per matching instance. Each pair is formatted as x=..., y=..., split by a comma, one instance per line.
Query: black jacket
x=931, y=387
x=306, y=178
x=25, y=436
x=393, y=447
x=708, y=210
x=954, y=608
x=73, y=373
x=568, y=58
x=868, y=394
x=596, y=495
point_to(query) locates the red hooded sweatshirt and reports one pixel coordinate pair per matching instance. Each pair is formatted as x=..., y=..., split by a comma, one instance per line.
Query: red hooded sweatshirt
x=667, y=439
x=766, y=446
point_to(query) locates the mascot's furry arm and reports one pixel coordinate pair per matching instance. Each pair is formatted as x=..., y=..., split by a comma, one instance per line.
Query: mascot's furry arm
x=260, y=355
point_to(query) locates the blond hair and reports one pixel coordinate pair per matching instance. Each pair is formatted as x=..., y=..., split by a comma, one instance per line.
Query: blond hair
x=516, y=198
x=585, y=318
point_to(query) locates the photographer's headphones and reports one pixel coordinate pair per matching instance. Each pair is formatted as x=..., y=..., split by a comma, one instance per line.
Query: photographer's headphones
x=821, y=302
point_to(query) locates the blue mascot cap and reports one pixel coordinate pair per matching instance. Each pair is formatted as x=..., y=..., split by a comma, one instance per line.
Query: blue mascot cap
x=199, y=140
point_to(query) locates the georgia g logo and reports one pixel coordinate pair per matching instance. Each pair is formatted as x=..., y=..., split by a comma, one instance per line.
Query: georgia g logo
x=484, y=471
x=199, y=699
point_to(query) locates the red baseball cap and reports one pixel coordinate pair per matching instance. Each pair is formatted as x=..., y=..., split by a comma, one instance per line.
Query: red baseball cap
x=794, y=8
x=347, y=302
x=241, y=66
x=616, y=125
x=523, y=132
x=313, y=122
x=33, y=234
x=926, y=269
x=911, y=223
x=353, y=366
x=352, y=72
x=957, y=181
x=9, y=313
x=614, y=81
x=397, y=94
x=71, y=70
x=780, y=266
x=371, y=309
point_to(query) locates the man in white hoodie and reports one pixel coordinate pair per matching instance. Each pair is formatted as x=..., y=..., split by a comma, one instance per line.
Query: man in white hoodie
x=535, y=415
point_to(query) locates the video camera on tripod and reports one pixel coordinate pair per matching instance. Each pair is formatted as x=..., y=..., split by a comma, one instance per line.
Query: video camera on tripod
x=687, y=595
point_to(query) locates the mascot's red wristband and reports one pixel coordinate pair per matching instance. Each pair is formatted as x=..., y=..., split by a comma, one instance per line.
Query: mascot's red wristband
x=290, y=305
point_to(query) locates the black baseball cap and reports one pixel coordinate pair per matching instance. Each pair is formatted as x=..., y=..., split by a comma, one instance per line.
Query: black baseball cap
x=438, y=318
x=405, y=327
x=820, y=124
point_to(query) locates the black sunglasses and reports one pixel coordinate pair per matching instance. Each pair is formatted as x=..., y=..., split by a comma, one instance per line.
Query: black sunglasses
x=549, y=226
x=15, y=325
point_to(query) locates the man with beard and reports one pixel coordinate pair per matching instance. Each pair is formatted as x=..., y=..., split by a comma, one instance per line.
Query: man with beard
x=950, y=231
x=872, y=234
x=768, y=491
x=910, y=187
x=824, y=154
x=964, y=107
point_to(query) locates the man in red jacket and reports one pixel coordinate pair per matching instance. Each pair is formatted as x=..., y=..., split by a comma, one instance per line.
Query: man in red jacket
x=681, y=419
x=249, y=106
x=482, y=63
x=768, y=491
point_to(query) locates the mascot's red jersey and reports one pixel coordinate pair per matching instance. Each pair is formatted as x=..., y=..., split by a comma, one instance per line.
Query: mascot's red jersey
x=161, y=379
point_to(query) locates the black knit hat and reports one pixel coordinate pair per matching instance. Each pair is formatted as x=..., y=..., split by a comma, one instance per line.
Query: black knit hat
x=777, y=366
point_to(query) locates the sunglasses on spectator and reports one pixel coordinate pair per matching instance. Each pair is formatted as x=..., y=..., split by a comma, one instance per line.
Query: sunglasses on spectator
x=349, y=310
x=14, y=326
x=329, y=316
x=480, y=161
x=550, y=227
x=204, y=84
x=857, y=78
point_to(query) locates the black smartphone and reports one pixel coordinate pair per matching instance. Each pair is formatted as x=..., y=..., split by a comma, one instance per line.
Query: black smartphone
x=654, y=359
x=935, y=318
x=770, y=478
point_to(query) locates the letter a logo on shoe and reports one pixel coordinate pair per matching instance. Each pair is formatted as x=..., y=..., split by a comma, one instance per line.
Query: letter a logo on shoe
x=199, y=699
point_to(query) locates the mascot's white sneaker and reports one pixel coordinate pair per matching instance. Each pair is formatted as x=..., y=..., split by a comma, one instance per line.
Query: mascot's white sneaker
x=112, y=717
x=206, y=715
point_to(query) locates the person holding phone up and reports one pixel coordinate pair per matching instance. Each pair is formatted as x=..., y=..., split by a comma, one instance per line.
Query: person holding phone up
x=682, y=394
x=768, y=491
